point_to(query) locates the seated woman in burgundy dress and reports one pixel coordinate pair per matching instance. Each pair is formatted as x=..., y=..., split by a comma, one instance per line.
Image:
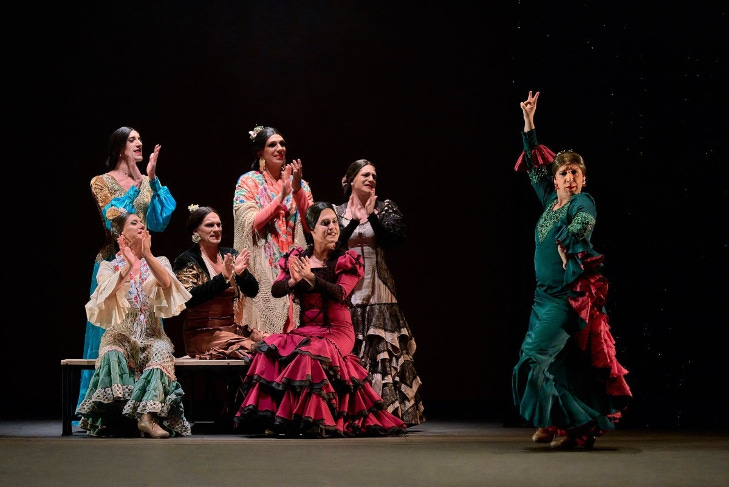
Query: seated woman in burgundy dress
x=307, y=382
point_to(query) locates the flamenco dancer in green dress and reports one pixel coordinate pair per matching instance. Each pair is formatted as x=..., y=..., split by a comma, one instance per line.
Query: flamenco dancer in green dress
x=567, y=382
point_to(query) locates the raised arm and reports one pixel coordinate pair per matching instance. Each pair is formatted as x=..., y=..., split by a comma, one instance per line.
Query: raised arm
x=528, y=107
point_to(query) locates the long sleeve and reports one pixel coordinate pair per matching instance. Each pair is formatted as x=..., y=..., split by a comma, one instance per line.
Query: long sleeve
x=192, y=279
x=159, y=211
x=536, y=160
x=388, y=225
x=574, y=234
x=265, y=214
x=345, y=233
x=160, y=208
x=247, y=284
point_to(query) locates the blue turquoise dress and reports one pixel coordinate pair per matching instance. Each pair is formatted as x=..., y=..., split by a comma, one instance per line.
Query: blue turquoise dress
x=154, y=204
x=567, y=376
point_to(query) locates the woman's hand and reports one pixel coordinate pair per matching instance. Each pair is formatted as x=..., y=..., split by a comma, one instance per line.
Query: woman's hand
x=300, y=268
x=563, y=255
x=134, y=172
x=152, y=164
x=370, y=204
x=228, y=267
x=242, y=261
x=126, y=252
x=285, y=182
x=296, y=172
x=528, y=107
x=146, y=244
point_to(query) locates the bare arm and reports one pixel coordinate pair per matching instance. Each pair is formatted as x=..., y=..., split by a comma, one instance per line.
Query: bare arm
x=528, y=107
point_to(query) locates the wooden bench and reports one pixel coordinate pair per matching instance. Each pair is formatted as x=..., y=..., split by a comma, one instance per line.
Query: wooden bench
x=71, y=376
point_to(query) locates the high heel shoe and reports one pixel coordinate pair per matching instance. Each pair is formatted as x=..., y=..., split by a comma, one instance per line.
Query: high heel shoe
x=148, y=424
x=543, y=435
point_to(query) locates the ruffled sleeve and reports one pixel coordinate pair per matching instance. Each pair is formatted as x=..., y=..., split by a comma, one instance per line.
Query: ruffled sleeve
x=536, y=160
x=166, y=302
x=349, y=270
x=105, y=306
x=534, y=154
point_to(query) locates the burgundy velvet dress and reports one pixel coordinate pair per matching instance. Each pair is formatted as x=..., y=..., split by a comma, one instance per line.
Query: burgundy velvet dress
x=307, y=382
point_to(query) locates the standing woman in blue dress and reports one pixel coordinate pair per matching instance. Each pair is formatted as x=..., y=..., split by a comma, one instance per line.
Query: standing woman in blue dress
x=124, y=188
x=567, y=382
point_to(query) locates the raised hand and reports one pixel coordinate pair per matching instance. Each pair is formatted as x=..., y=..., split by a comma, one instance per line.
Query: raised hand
x=152, y=164
x=242, y=261
x=286, y=182
x=528, y=107
x=296, y=170
x=228, y=266
x=126, y=251
x=146, y=244
x=370, y=204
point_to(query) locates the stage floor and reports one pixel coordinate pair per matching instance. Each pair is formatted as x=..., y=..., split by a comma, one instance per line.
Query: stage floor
x=436, y=453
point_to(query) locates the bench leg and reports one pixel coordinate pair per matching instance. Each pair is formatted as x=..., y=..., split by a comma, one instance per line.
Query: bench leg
x=66, y=414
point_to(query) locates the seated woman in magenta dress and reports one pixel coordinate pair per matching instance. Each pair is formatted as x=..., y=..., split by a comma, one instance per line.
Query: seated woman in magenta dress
x=307, y=382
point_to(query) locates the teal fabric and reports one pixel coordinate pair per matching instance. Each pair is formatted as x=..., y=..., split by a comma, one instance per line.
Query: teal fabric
x=553, y=383
x=114, y=394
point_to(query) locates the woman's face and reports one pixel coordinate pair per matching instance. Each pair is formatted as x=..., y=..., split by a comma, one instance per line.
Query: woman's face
x=366, y=180
x=133, y=229
x=133, y=147
x=274, y=152
x=569, y=180
x=210, y=229
x=326, y=231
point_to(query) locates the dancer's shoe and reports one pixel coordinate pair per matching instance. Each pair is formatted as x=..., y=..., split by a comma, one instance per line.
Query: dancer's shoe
x=543, y=435
x=147, y=424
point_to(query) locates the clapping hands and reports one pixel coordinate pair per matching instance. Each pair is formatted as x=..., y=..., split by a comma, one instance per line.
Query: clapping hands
x=300, y=268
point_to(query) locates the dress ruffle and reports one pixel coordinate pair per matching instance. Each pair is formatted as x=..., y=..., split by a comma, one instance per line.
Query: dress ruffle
x=541, y=156
x=387, y=347
x=114, y=392
x=303, y=385
x=588, y=300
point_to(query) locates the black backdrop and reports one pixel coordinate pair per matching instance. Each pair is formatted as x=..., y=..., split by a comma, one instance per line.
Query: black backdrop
x=429, y=92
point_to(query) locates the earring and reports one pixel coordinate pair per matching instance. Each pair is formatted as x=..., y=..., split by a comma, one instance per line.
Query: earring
x=584, y=182
x=262, y=164
x=195, y=238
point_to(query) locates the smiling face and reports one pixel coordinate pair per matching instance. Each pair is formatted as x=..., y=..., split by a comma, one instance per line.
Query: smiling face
x=365, y=181
x=210, y=229
x=133, y=148
x=568, y=180
x=326, y=231
x=274, y=152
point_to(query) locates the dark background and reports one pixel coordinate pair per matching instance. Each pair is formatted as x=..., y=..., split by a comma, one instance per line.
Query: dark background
x=430, y=93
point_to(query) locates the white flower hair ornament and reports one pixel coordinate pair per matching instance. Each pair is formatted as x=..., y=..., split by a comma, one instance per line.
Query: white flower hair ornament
x=192, y=207
x=253, y=133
